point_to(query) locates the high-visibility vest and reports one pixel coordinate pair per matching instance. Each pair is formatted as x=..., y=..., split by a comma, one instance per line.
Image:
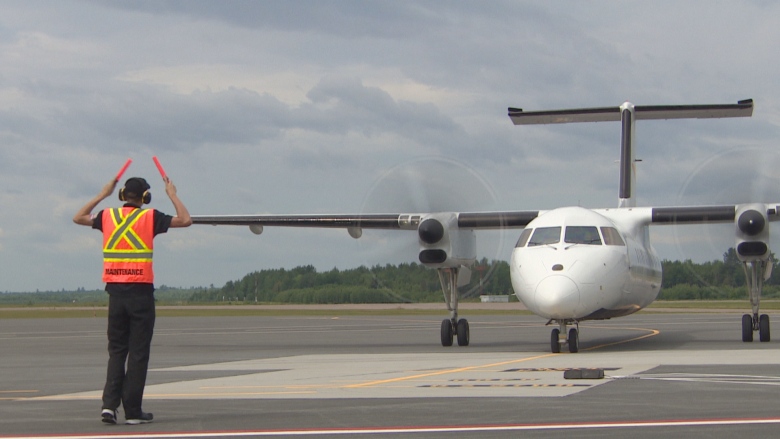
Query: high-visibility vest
x=128, y=245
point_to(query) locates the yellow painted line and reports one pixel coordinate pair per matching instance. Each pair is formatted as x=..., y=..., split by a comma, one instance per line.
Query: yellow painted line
x=444, y=372
x=60, y=398
x=652, y=333
x=166, y=395
x=225, y=394
x=297, y=386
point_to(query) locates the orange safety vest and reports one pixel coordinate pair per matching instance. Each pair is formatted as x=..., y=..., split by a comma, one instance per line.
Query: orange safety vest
x=128, y=245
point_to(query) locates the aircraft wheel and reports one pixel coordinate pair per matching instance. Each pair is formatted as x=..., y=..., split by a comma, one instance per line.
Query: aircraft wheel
x=763, y=327
x=446, y=333
x=463, y=332
x=747, y=328
x=574, y=340
x=555, y=344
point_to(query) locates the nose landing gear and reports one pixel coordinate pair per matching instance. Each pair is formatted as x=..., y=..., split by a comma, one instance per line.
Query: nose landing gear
x=570, y=338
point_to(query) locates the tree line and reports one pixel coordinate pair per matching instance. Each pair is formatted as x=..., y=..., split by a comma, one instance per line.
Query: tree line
x=714, y=280
x=410, y=282
x=403, y=283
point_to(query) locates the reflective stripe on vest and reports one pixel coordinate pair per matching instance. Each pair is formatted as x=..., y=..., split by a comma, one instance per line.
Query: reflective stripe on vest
x=128, y=245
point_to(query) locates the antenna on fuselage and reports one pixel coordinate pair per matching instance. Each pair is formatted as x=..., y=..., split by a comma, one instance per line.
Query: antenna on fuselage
x=627, y=114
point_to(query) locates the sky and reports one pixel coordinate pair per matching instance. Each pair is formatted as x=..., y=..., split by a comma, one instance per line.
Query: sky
x=365, y=107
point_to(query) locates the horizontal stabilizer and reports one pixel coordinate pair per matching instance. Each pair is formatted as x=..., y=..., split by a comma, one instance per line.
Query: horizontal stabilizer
x=742, y=108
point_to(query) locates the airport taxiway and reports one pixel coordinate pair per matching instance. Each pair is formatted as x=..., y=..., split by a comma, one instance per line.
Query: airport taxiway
x=680, y=374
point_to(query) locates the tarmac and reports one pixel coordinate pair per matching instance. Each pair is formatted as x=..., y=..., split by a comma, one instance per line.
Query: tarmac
x=344, y=374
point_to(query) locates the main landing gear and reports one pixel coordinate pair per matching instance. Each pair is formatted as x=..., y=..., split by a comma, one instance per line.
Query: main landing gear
x=453, y=326
x=755, y=274
x=560, y=336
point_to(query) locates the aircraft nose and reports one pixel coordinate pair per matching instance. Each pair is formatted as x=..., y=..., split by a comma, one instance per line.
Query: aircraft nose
x=557, y=297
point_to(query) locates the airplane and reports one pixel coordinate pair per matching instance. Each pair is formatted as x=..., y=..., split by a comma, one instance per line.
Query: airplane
x=570, y=264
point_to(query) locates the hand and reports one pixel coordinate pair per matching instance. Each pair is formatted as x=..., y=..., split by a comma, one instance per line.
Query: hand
x=84, y=215
x=108, y=189
x=170, y=189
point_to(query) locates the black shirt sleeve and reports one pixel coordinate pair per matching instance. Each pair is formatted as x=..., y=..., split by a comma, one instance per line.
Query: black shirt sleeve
x=97, y=222
x=162, y=222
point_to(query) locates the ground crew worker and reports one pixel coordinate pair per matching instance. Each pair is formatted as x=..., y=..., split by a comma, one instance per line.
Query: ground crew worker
x=128, y=245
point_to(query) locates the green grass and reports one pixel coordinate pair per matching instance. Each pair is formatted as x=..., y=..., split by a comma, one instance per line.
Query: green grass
x=766, y=304
x=238, y=311
x=226, y=310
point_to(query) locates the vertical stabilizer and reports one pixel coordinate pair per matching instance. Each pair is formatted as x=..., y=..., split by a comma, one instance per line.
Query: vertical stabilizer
x=627, y=168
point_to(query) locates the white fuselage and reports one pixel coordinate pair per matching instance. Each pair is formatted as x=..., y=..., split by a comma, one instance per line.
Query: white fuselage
x=578, y=264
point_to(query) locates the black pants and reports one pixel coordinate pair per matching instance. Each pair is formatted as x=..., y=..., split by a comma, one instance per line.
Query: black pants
x=130, y=328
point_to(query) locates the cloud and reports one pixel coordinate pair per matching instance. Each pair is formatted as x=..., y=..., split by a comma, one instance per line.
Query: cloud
x=341, y=106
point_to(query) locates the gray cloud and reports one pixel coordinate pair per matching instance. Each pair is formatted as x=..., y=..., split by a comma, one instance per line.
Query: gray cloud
x=342, y=106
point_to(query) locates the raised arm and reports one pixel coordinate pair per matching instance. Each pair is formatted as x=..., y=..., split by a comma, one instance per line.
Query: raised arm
x=182, y=218
x=84, y=215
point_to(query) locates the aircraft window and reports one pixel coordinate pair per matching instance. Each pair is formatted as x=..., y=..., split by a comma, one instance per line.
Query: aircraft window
x=545, y=236
x=524, y=238
x=582, y=235
x=612, y=236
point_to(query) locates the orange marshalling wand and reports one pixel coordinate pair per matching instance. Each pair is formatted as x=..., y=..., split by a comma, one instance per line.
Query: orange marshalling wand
x=124, y=168
x=160, y=168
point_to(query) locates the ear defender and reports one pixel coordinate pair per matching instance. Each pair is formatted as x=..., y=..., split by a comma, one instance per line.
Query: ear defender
x=137, y=184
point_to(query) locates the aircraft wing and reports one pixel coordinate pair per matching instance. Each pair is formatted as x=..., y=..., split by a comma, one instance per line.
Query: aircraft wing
x=446, y=239
x=682, y=215
x=711, y=214
x=368, y=221
x=402, y=221
x=693, y=214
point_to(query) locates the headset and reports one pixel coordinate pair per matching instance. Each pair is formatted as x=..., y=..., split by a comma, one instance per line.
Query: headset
x=146, y=197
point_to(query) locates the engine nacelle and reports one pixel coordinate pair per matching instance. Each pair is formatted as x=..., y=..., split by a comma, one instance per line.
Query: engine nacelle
x=752, y=232
x=443, y=244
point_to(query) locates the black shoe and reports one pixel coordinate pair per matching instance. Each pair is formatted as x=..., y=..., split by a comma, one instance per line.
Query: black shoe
x=108, y=416
x=145, y=418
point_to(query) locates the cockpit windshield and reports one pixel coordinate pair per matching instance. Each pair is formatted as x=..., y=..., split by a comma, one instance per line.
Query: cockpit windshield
x=612, y=236
x=582, y=235
x=524, y=238
x=588, y=235
x=545, y=236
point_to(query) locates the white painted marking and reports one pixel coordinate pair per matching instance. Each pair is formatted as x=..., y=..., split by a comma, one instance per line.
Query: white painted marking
x=421, y=429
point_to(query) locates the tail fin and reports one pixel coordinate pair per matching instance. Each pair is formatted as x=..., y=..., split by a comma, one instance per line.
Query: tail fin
x=627, y=114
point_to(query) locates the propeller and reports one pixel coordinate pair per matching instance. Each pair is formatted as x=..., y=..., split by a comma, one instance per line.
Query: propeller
x=426, y=185
x=735, y=176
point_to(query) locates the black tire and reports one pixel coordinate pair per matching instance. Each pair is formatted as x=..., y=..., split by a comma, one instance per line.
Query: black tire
x=446, y=333
x=574, y=340
x=747, y=328
x=763, y=328
x=555, y=345
x=463, y=332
